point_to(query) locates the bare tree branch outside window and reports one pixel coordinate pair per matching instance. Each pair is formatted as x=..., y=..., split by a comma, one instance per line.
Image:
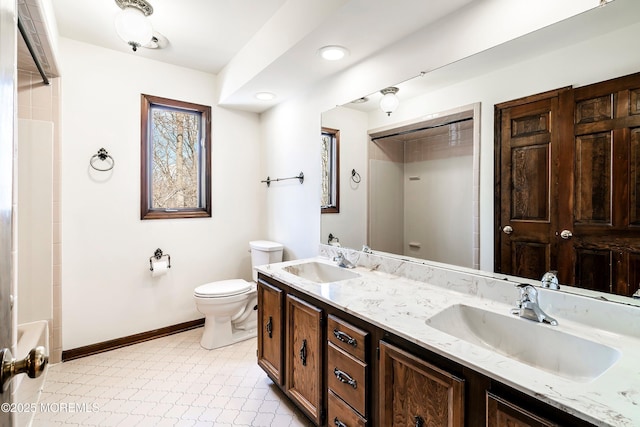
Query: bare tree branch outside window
x=330, y=179
x=176, y=159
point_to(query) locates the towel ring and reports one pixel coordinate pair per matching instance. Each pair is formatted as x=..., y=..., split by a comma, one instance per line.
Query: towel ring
x=102, y=155
x=355, y=176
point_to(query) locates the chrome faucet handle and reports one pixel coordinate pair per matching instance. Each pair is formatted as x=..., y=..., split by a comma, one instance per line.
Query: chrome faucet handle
x=527, y=293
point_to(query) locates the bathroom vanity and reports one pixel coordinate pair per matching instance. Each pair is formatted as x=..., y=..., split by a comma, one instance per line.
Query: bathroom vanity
x=396, y=342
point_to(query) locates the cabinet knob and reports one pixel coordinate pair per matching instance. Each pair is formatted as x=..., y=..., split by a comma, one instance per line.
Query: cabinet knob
x=419, y=421
x=507, y=229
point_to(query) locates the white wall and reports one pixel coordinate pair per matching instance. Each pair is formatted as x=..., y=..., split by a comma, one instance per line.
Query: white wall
x=438, y=212
x=107, y=289
x=386, y=206
x=588, y=61
x=353, y=141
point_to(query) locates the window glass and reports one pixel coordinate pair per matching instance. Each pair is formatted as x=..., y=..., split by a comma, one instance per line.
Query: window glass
x=176, y=159
x=330, y=179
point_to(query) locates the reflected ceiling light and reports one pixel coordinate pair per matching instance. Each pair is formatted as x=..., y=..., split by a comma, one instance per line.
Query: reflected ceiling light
x=265, y=96
x=333, y=53
x=389, y=101
x=132, y=24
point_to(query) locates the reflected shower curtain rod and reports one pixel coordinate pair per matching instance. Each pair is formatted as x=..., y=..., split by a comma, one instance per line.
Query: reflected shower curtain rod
x=408, y=132
x=27, y=41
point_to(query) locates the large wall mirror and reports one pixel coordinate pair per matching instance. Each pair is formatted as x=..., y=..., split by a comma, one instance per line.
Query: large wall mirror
x=427, y=168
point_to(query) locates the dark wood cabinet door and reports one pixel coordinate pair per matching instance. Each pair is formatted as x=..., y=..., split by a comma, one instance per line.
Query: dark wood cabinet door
x=415, y=393
x=525, y=216
x=304, y=359
x=502, y=413
x=270, y=336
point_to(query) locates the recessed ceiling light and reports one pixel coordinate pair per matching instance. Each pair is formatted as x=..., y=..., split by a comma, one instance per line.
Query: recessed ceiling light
x=265, y=96
x=333, y=53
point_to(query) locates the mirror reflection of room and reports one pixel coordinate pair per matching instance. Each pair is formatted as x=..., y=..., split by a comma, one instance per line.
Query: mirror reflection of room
x=421, y=183
x=514, y=71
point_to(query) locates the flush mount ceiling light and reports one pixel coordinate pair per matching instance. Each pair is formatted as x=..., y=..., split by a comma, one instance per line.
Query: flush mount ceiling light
x=265, y=96
x=132, y=24
x=389, y=101
x=333, y=53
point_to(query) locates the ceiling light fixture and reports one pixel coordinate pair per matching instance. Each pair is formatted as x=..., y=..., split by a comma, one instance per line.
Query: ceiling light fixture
x=132, y=24
x=389, y=101
x=265, y=96
x=333, y=53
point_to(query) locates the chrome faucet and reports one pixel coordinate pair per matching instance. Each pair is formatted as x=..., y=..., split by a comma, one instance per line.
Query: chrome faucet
x=528, y=308
x=342, y=261
x=550, y=280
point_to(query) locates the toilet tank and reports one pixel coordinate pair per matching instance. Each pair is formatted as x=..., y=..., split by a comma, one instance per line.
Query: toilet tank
x=264, y=252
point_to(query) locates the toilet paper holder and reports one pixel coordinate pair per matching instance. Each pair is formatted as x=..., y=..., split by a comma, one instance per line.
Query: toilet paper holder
x=157, y=255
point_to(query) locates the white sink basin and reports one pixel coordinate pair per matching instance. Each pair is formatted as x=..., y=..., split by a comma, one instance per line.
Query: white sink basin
x=538, y=345
x=320, y=272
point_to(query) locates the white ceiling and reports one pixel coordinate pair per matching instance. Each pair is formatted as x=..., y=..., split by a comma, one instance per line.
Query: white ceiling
x=207, y=35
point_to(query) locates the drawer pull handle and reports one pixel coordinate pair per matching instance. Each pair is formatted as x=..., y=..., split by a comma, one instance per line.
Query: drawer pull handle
x=343, y=377
x=269, y=327
x=341, y=336
x=338, y=423
x=419, y=421
x=303, y=353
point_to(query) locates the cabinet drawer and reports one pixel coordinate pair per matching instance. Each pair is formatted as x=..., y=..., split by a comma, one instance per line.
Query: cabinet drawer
x=347, y=337
x=347, y=377
x=342, y=415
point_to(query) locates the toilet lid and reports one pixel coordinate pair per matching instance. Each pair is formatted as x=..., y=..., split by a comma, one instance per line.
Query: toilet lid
x=223, y=288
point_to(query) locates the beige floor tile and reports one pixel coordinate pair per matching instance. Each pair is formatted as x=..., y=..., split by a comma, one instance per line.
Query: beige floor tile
x=184, y=385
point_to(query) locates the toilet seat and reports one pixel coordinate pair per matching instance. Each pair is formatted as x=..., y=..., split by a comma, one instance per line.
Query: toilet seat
x=223, y=288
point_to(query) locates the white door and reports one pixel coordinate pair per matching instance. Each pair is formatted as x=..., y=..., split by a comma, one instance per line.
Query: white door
x=8, y=29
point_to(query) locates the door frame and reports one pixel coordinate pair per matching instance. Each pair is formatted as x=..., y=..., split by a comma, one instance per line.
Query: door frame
x=8, y=72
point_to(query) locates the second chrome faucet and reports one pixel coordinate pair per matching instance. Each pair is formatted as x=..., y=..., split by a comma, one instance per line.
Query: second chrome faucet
x=342, y=261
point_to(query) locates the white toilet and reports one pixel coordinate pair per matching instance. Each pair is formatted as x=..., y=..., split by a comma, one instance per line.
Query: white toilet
x=230, y=306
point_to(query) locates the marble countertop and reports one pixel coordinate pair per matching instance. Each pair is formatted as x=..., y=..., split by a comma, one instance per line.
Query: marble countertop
x=401, y=297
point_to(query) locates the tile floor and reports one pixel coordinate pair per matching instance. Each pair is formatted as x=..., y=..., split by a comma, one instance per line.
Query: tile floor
x=169, y=381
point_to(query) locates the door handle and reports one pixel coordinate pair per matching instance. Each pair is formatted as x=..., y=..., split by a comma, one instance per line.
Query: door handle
x=507, y=229
x=33, y=365
x=566, y=234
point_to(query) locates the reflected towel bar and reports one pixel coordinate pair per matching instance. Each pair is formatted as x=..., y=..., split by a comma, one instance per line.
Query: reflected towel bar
x=269, y=180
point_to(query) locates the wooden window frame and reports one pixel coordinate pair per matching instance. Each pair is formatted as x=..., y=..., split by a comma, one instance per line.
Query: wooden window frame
x=146, y=210
x=334, y=208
